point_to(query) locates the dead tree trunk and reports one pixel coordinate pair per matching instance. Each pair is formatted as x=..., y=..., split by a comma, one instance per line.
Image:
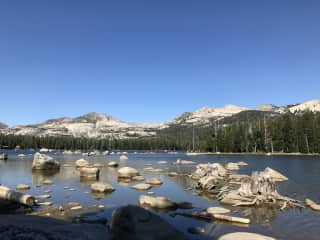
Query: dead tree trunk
x=10, y=195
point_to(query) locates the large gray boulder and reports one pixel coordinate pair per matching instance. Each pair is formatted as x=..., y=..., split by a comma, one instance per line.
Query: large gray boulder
x=135, y=223
x=44, y=162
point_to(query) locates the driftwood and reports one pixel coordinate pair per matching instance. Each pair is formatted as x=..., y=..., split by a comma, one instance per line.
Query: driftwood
x=312, y=204
x=231, y=218
x=203, y=215
x=11, y=195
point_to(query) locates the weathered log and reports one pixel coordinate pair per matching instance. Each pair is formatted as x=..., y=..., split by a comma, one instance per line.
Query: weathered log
x=11, y=195
x=312, y=204
x=231, y=218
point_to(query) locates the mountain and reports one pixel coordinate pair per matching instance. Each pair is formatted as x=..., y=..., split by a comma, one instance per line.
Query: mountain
x=92, y=125
x=313, y=106
x=206, y=114
x=95, y=125
x=3, y=126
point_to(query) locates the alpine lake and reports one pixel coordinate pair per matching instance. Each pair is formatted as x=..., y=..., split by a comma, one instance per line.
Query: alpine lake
x=303, y=173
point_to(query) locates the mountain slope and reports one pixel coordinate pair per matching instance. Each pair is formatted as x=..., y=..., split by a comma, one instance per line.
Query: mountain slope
x=206, y=114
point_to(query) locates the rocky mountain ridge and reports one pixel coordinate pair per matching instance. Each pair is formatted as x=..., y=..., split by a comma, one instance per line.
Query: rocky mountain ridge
x=95, y=125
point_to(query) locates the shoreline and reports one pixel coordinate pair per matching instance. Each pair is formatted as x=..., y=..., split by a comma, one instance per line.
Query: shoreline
x=252, y=154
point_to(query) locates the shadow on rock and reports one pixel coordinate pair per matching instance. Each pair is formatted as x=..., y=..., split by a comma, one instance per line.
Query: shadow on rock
x=133, y=223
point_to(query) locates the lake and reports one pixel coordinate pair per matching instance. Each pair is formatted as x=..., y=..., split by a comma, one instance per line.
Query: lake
x=295, y=224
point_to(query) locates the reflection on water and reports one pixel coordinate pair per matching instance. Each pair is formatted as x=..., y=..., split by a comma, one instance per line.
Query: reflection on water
x=39, y=176
x=303, y=174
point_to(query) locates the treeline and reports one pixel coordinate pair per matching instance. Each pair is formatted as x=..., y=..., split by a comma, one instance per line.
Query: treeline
x=253, y=132
x=284, y=133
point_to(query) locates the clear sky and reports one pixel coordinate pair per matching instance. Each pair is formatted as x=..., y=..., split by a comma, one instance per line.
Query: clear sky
x=151, y=60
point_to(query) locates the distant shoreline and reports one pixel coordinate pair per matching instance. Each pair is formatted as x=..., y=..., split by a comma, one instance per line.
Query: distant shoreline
x=253, y=154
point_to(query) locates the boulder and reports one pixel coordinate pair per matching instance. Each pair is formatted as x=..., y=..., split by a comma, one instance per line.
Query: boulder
x=275, y=175
x=232, y=166
x=127, y=172
x=101, y=187
x=89, y=173
x=154, y=181
x=82, y=163
x=135, y=223
x=123, y=157
x=44, y=162
x=142, y=186
x=157, y=202
x=244, y=236
x=113, y=164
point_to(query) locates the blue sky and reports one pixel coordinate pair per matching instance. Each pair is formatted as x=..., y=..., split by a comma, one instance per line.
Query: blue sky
x=151, y=60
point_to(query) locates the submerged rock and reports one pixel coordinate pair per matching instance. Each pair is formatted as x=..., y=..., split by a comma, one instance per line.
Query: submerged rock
x=142, y=186
x=154, y=181
x=101, y=187
x=44, y=162
x=22, y=187
x=157, y=202
x=244, y=236
x=217, y=210
x=136, y=223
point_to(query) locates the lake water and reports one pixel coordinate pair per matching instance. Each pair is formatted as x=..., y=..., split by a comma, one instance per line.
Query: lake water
x=294, y=224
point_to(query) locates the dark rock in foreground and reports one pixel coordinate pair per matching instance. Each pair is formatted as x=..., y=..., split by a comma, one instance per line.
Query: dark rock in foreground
x=21, y=227
x=135, y=223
